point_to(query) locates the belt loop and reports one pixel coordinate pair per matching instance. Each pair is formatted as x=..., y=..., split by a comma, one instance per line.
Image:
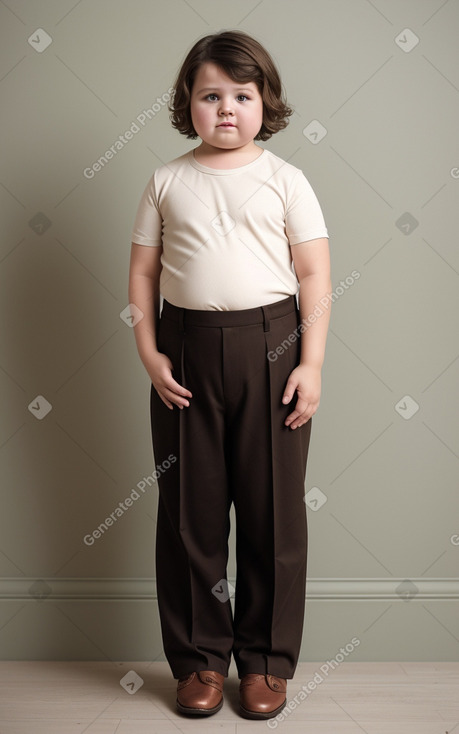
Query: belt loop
x=266, y=324
x=181, y=321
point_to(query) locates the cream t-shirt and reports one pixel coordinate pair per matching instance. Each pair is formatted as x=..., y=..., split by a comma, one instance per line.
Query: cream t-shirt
x=226, y=234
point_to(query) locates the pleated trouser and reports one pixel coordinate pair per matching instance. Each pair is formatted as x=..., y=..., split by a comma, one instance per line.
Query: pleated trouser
x=231, y=446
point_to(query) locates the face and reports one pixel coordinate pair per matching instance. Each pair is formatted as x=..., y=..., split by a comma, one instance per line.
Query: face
x=216, y=99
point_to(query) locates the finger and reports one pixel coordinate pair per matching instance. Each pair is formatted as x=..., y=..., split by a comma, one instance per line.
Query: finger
x=170, y=398
x=298, y=422
x=291, y=417
x=289, y=392
x=304, y=417
x=175, y=387
x=176, y=399
x=291, y=386
x=300, y=408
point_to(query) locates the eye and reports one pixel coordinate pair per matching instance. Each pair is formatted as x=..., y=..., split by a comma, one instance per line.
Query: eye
x=211, y=95
x=242, y=95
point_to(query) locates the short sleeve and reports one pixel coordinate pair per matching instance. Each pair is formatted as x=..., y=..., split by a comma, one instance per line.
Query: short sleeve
x=303, y=219
x=148, y=221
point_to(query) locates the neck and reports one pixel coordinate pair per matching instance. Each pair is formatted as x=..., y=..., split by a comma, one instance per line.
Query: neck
x=226, y=158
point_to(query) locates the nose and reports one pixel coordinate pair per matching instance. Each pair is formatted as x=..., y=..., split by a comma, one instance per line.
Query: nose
x=226, y=107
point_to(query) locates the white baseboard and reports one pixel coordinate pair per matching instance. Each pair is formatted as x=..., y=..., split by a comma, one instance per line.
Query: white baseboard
x=144, y=589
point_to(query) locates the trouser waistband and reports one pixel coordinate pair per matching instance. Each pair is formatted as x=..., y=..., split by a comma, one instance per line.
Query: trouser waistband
x=243, y=317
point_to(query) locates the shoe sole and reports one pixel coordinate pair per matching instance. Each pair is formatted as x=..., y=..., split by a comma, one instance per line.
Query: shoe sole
x=247, y=714
x=190, y=711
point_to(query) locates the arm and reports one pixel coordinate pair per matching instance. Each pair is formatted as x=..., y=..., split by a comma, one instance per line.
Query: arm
x=312, y=266
x=145, y=269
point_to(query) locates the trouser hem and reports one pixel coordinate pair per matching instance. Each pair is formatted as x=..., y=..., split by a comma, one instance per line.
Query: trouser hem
x=261, y=668
x=199, y=666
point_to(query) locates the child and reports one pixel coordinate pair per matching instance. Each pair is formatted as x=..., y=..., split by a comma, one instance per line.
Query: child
x=226, y=233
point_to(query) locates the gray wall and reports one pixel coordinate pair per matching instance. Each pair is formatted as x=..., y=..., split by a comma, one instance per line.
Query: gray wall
x=383, y=548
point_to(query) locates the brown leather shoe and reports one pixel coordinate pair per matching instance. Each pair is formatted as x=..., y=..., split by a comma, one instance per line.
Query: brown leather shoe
x=200, y=693
x=262, y=696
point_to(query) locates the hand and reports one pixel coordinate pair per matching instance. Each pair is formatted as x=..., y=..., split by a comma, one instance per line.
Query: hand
x=159, y=367
x=306, y=380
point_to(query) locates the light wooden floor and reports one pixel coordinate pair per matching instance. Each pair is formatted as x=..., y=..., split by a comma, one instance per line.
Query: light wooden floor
x=376, y=698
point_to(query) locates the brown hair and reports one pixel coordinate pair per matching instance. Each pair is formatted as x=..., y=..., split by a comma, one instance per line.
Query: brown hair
x=244, y=60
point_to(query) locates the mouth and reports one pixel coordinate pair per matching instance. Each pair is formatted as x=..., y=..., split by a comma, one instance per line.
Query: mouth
x=226, y=124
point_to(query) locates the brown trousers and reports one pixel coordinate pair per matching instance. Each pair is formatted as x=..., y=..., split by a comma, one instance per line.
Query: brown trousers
x=231, y=445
